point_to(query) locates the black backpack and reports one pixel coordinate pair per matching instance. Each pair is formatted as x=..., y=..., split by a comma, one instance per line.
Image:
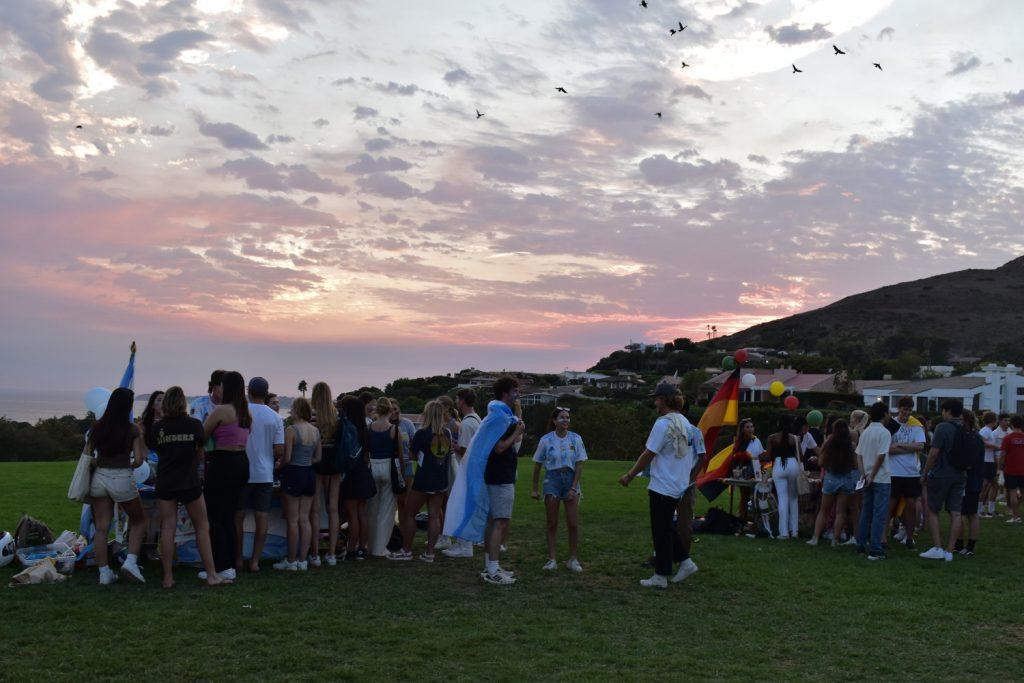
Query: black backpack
x=346, y=447
x=959, y=454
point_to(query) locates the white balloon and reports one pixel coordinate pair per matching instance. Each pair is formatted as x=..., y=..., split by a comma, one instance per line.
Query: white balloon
x=96, y=400
x=141, y=473
x=749, y=380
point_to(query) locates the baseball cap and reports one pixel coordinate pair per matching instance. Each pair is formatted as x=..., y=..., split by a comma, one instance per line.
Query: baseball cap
x=664, y=389
x=259, y=386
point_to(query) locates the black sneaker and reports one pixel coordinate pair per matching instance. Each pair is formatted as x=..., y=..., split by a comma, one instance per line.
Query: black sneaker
x=967, y=553
x=361, y=554
x=911, y=545
x=876, y=556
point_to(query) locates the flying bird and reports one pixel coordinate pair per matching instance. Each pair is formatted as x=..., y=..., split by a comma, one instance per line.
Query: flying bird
x=796, y=70
x=78, y=127
x=643, y=3
x=685, y=65
x=478, y=114
x=838, y=51
x=877, y=65
x=658, y=114
x=672, y=31
x=681, y=27
x=562, y=90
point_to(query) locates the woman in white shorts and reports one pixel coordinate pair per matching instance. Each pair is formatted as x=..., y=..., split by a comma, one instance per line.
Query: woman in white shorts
x=115, y=439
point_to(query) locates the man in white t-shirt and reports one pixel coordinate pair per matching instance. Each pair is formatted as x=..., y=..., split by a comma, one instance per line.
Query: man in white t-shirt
x=465, y=399
x=988, y=497
x=672, y=462
x=905, y=467
x=873, y=453
x=264, y=447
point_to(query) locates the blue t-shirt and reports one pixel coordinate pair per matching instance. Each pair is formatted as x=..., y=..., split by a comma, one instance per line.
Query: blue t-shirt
x=555, y=453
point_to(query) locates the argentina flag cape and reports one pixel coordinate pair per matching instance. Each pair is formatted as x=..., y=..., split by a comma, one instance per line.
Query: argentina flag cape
x=468, y=504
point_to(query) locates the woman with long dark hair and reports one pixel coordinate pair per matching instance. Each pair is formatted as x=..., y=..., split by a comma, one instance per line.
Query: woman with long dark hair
x=154, y=411
x=328, y=478
x=745, y=446
x=179, y=442
x=784, y=453
x=840, y=464
x=118, y=447
x=358, y=484
x=227, y=470
x=561, y=454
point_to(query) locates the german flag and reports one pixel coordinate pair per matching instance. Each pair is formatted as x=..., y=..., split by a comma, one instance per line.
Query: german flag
x=724, y=409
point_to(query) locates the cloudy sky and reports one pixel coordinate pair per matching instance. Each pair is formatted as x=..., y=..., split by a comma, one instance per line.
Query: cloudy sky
x=302, y=188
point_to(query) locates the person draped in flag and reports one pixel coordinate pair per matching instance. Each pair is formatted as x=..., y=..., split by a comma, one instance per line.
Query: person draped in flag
x=672, y=462
x=480, y=504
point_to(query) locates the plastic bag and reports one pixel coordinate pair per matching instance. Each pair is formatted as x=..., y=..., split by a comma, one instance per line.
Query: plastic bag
x=39, y=573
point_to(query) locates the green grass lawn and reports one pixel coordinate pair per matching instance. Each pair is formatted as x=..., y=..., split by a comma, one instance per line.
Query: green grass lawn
x=757, y=609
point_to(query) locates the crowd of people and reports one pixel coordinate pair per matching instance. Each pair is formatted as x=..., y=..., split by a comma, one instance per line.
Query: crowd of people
x=368, y=466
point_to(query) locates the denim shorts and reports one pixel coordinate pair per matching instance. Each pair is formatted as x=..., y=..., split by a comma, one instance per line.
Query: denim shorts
x=840, y=483
x=558, y=483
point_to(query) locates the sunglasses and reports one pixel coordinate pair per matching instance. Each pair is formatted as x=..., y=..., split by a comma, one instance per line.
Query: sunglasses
x=562, y=410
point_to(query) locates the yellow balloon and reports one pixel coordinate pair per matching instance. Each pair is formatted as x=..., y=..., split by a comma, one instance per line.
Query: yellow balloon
x=776, y=388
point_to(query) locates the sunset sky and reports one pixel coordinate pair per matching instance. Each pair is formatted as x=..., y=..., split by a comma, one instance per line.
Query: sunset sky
x=302, y=189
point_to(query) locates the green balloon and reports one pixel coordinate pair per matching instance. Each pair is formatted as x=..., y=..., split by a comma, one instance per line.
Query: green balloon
x=728, y=363
x=815, y=418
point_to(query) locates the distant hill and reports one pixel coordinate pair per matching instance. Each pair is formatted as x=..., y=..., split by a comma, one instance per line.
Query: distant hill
x=975, y=312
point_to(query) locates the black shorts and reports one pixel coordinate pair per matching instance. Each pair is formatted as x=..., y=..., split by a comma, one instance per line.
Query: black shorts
x=989, y=472
x=324, y=468
x=297, y=480
x=1013, y=481
x=255, y=497
x=970, y=504
x=358, y=483
x=905, y=487
x=183, y=496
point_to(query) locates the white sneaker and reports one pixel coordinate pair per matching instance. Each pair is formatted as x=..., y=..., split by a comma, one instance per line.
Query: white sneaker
x=503, y=549
x=498, y=578
x=687, y=568
x=302, y=565
x=574, y=565
x=442, y=543
x=850, y=541
x=1013, y=520
x=812, y=542
x=656, y=581
x=286, y=566
x=331, y=560
x=550, y=565
x=901, y=535
x=507, y=572
x=132, y=573
x=459, y=549
x=948, y=556
x=399, y=555
x=313, y=560
x=934, y=553
x=108, y=578
x=228, y=574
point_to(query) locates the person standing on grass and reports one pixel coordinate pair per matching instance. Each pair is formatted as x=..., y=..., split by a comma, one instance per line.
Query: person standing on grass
x=328, y=477
x=839, y=463
x=178, y=442
x=500, y=479
x=976, y=447
x=747, y=443
x=672, y=463
x=873, y=454
x=685, y=508
x=118, y=445
x=990, y=474
x=204, y=405
x=465, y=400
x=1012, y=463
x=358, y=486
x=153, y=413
x=227, y=470
x=944, y=480
x=561, y=453
x=302, y=450
x=998, y=434
x=385, y=451
x=432, y=448
x=264, y=447
x=784, y=454
x=905, y=468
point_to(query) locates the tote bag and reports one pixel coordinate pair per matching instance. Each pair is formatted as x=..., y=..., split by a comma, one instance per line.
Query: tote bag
x=81, y=480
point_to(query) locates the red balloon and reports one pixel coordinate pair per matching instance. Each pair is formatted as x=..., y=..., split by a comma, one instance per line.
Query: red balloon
x=740, y=356
x=791, y=403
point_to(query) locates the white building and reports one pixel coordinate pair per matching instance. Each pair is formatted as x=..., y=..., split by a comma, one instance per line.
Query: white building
x=1004, y=388
x=574, y=377
x=928, y=394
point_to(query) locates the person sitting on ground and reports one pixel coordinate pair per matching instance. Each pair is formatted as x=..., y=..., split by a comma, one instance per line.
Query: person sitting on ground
x=944, y=481
x=179, y=446
x=1012, y=464
x=561, y=454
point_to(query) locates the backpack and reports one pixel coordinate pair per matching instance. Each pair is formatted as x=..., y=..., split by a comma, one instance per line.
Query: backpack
x=959, y=457
x=346, y=446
